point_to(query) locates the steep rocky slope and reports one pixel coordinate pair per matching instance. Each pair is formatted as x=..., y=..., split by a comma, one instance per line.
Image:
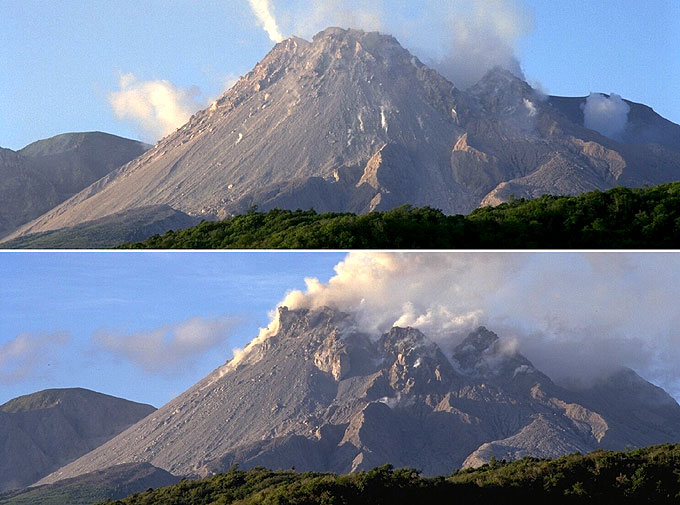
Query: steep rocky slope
x=319, y=395
x=45, y=173
x=45, y=430
x=520, y=143
x=351, y=121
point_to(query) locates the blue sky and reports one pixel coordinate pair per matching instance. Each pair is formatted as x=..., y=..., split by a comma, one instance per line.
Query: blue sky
x=61, y=60
x=60, y=301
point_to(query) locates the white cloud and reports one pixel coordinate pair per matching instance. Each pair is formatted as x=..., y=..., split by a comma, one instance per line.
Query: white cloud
x=263, y=11
x=607, y=115
x=166, y=348
x=28, y=352
x=157, y=108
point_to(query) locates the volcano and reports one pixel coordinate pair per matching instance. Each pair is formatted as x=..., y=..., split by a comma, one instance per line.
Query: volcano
x=352, y=121
x=318, y=394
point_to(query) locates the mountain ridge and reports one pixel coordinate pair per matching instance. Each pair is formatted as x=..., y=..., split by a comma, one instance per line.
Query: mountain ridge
x=318, y=394
x=47, y=172
x=43, y=431
x=351, y=121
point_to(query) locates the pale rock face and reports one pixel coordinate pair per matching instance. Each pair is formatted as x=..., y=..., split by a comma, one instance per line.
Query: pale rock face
x=351, y=121
x=318, y=395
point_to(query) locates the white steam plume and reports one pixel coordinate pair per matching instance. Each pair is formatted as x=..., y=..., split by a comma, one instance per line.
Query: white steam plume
x=263, y=11
x=463, y=39
x=387, y=289
x=575, y=315
x=607, y=115
x=157, y=108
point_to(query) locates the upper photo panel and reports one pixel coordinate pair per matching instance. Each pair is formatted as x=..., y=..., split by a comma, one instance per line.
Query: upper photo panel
x=339, y=124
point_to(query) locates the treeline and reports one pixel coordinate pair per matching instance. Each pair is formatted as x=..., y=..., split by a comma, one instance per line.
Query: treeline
x=620, y=218
x=648, y=475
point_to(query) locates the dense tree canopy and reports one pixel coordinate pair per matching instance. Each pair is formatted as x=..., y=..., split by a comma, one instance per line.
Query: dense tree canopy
x=617, y=218
x=650, y=475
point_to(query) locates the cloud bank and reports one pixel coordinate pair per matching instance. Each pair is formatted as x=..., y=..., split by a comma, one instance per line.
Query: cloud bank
x=575, y=315
x=606, y=115
x=156, y=108
x=165, y=349
x=26, y=353
x=463, y=39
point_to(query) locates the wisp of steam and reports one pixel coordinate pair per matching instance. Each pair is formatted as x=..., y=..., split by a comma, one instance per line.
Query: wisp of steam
x=263, y=11
x=607, y=115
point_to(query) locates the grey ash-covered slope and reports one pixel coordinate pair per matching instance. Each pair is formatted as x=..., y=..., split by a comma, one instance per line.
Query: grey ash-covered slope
x=319, y=395
x=130, y=225
x=43, y=174
x=42, y=431
x=351, y=121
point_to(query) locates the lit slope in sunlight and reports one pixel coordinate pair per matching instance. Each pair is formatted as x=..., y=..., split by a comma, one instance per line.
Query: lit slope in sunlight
x=315, y=392
x=351, y=121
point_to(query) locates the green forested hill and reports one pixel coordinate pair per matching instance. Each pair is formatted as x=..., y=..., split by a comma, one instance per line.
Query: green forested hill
x=617, y=218
x=649, y=475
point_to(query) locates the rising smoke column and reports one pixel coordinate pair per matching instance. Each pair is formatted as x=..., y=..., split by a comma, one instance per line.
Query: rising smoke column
x=575, y=315
x=262, y=9
x=479, y=35
x=607, y=115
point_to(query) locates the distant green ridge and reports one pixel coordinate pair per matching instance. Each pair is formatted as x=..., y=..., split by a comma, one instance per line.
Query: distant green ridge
x=620, y=218
x=648, y=475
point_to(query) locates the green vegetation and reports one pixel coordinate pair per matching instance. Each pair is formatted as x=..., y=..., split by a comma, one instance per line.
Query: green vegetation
x=114, y=482
x=617, y=218
x=71, y=495
x=124, y=226
x=650, y=475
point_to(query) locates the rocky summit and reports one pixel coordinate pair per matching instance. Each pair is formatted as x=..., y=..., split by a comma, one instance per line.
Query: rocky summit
x=352, y=121
x=320, y=395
